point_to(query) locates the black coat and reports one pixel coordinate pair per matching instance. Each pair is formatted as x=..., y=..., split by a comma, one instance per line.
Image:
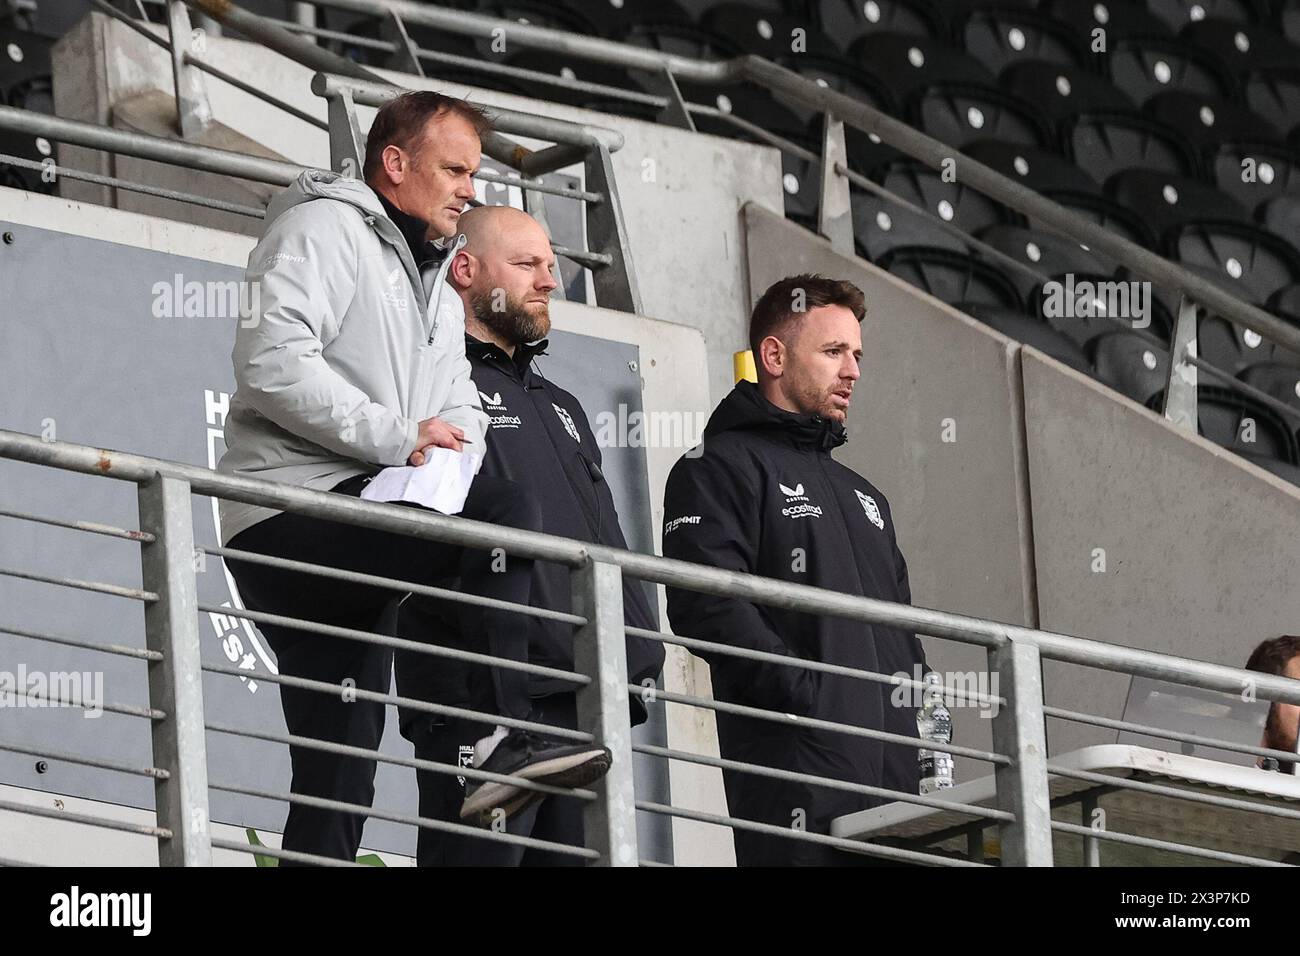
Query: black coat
x=539, y=437
x=762, y=494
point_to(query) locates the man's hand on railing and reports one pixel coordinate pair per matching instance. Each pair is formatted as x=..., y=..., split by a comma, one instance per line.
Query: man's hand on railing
x=436, y=432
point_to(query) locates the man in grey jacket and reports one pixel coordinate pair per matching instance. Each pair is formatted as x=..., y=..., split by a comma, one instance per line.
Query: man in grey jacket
x=353, y=360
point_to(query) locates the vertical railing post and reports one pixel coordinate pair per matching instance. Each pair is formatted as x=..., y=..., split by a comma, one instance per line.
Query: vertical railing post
x=616, y=285
x=600, y=652
x=1180, y=388
x=834, y=215
x=1019, y=734
x=176, y=681
x=193, y=111
x=347, y=145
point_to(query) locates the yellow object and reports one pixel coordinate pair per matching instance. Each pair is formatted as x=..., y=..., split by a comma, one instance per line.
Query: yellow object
x=743, y=365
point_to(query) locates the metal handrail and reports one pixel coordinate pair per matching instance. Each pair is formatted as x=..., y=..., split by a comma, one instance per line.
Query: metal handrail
x=853, y=112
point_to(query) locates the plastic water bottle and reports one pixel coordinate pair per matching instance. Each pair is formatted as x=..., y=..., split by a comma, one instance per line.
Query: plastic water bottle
x=934, y=725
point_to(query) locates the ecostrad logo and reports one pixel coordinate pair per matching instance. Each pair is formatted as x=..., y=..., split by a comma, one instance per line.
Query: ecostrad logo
x=131, y=910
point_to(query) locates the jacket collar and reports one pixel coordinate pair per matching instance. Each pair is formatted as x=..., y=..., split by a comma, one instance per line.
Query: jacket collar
x=490, y=351
x=413, y=229
x=745, y=408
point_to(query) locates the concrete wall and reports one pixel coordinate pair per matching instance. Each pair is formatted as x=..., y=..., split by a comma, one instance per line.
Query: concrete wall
x=1200, y=547
x=681, y=192
x=927, y=369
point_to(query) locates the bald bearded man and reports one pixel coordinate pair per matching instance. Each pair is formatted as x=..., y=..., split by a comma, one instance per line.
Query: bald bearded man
x=540, y=439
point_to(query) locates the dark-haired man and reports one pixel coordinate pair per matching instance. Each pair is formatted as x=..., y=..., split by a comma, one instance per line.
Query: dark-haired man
x=1279, y=656
x=539, y=437
x=763, y=495
x=355, y=360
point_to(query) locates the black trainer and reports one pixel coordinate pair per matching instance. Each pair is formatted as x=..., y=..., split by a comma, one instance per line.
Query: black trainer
x=521, y=753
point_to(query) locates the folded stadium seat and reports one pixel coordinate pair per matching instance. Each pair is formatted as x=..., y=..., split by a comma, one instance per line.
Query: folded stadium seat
x=1281, y=217
x=25, y=146
x=1118, y=19
x=1254, y=174
x=1288, y=19
x=1108, y=143
x=1060, y=92
x=953, y=277
x=1083, y=305
x=1275, y=95
x=1031, y=332
x=1207, y=121
x=961, y=113
x=909, y=64
x=1278, y=381
x=1235, y=349
x=1167, y=203
x=612, y=19
x=842, y=75
x=1259, y=262
x=1144, y=66
x=1179, y=13
x=541, y=13
x=1129, y=364
x=574, y=68
x=1222, y=415
x=1285, y=303
x=1039, y=169
x=764, y=33
x=881, y=226
x=1002, y=36
x=1047, y=253
x=1104, y=212
x=847, y=20
x=25, y=70
x=1242, y=47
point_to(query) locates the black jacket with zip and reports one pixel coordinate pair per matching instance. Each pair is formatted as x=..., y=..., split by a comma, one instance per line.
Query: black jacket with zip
x=539, y=437
x=763, y=495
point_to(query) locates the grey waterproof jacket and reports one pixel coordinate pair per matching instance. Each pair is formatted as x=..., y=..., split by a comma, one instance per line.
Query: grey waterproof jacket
x=347, y=349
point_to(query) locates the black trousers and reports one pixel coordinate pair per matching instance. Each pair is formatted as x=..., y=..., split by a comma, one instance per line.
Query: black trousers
x=451, y=740
x=333, y=716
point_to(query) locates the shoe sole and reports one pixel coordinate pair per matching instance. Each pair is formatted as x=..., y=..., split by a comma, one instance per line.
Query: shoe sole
x=568, y=770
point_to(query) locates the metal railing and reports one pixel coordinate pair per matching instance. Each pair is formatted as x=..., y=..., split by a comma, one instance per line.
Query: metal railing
x=178, y=722
x=1198, y=295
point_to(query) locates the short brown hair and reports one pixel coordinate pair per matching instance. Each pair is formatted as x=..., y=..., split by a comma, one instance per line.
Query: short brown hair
x=400, y=122
x=792, y=296
x=1272, y=656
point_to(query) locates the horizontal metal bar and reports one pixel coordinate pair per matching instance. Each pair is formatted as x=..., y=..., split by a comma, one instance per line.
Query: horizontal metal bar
x=783, y=660
x=592, y=260
x=1165, y=734
x=398, y=643
x=126, y=710
x=396, y=700
x=98, y=587
x=426, y=823
x=653, y=864
x=788, y=833
x=157, y=773
x=814, y=780
x=537, y=186
x=432, y=766
x=143, y=829
x=4, y=861
x=81, y=175
x=93, y=527
x=143, y=146
x=814, y=723
x=1178, y=793
x=369, y=93
x=292, y=855
x=1133, y=840
x=140, y=653
x=396, y=584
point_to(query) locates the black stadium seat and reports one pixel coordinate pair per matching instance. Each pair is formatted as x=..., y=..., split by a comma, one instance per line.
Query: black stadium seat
x=1206, y=121
x=1066, y=306
x=763, y=33
x=25, y=69
x=614, y=20
x=881, y=226
x=1278, y=381
x=1039, y=169
x=1285, y=302
x=1281, y=217
x=1016, y=325
x=1104, y=212
x=1047, y=253
x=1257, y=261
x=1002, y=36
x=1129, y=364
x=1275, y=95
x=1179, y=13
x=953, y=277
x=25, y=146
x=1245, y=426
x=1060, y=92
x=1144, y=66
x=1107, y=143
x=1235, y=349
x=850, y=19
x=1252, y=174
x=575, y=68
x=1242, y=47
x=909, y=64
x=1167, y=203
x=1118, y=19
x=958, y=114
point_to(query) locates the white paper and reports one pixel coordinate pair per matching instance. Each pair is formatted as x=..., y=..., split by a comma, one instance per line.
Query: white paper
x=441, y=483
